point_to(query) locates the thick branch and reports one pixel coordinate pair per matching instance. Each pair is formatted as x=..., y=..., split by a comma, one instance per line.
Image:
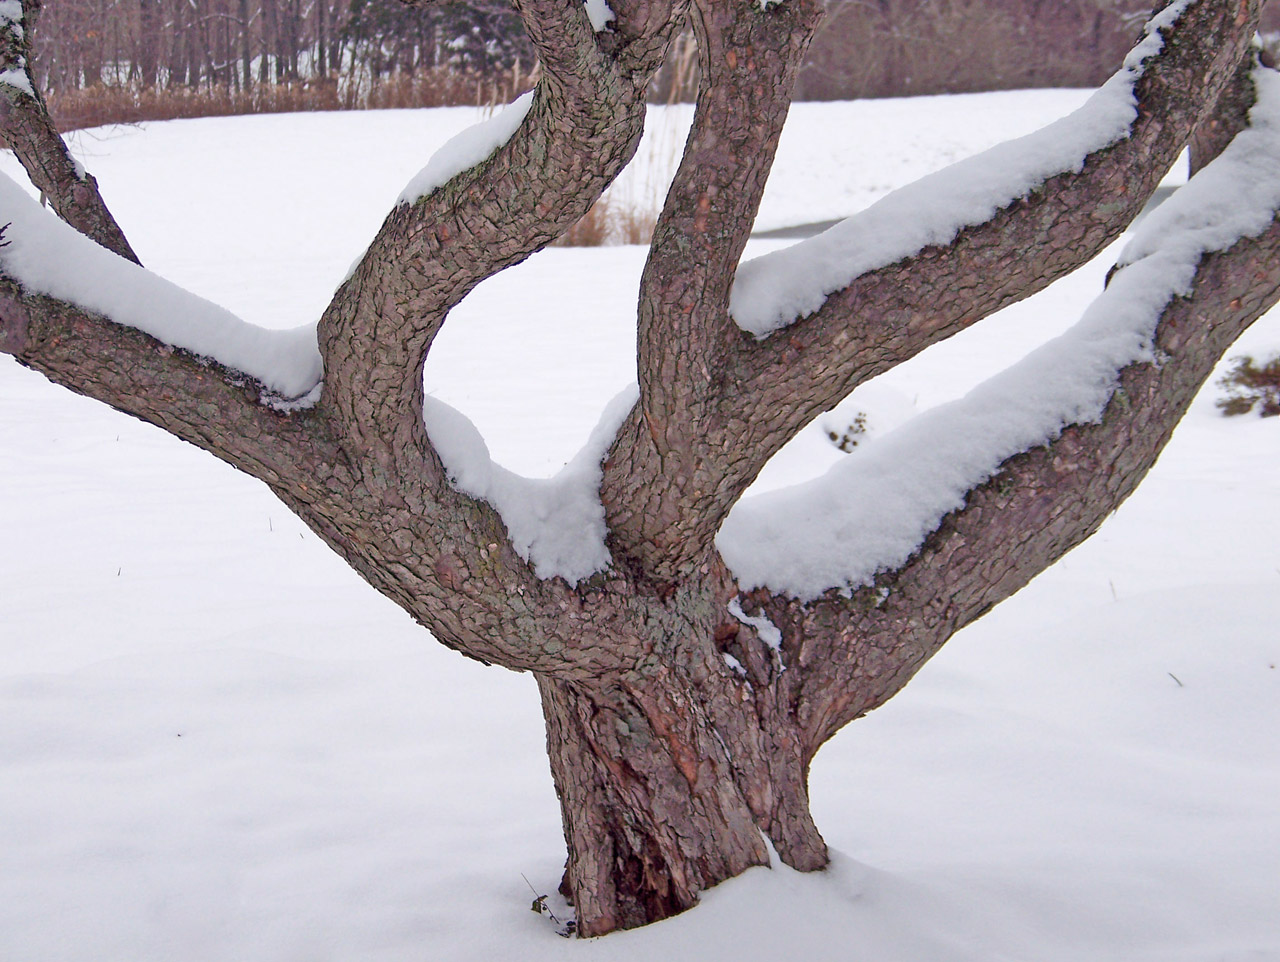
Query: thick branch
x=584, y=124
x=441, y=556
x=860, y=651
x=767, y=390
x=1229, y=116
x=25, y=125
x=749, y=61
x=212, y=407
x=897, y=311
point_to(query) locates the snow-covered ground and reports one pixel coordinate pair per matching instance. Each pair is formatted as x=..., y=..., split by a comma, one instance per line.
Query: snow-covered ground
x=217, y=743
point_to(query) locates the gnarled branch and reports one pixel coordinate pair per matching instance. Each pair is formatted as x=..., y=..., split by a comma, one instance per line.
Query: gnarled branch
x=858, y=651
x=658, y=470
x=766, y=391
x=583, y=126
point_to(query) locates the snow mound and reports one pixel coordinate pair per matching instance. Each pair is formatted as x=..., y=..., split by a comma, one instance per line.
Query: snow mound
x=556, y=524
x=870, y=513
x=775, y=290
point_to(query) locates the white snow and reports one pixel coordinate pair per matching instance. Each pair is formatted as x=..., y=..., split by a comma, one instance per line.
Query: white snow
x=777, y=289
x=49, y=257
x=870, y=513
x=599, y=14
x=217, y=742
x=15, y=77
x=468, y=148
x=556, y=524
x=1233, y=197
x=765, y=629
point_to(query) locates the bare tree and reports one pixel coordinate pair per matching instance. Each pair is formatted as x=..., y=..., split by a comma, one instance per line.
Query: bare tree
x=684, y=700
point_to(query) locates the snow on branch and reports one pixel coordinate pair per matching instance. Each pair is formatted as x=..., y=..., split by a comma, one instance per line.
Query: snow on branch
x=600, y=15
x=14, y=72
x=466, y=149
x=775, y=290
x=556, y=524
x=46, y=256
x=870, y=513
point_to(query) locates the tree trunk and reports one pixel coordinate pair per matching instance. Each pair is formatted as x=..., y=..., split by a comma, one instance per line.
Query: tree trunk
x=246, y=46
x=672, y=775
x=651, y=813
x=682, y=708
x=148, y=42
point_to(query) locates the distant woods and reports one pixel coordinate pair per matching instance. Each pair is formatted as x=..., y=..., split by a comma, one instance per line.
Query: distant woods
x=101, y=60
x=104, y=60
x=896, y=48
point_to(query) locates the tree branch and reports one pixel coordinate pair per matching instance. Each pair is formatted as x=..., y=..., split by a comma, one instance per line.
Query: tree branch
x=763, y=392
x=26, y=126
x=890, y=314
x=212, y=407
x=583, y=126
x=856, y=652
x=1229, y=116
x=440, y=555
x=749, y=60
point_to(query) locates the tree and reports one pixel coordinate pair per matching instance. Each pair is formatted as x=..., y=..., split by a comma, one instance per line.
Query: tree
x=687, y=682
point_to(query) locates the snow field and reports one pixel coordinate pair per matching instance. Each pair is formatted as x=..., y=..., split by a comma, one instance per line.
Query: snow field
x=217, y=743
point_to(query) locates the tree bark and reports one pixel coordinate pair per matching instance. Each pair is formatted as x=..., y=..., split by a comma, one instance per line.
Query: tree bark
x=148, y=42
x=672, y=772
x=25, y=125
x=652, y=816
x=682, y=713
x=669, y=486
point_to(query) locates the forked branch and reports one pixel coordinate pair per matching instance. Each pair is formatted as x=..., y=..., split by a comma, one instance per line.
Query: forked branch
x=668, y=489
x=582, y=127
x=861, y=649
x=659, y=471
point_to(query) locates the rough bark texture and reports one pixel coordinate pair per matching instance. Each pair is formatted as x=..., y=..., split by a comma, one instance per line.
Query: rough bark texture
x=1229, y=116
x=668, y=500
x=679, y=738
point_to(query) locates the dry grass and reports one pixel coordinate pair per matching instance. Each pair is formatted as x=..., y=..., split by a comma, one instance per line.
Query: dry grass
x=611, y=221
x=103, y=104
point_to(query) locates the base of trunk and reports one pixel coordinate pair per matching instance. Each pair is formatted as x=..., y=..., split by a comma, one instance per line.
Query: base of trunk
x=652, y=808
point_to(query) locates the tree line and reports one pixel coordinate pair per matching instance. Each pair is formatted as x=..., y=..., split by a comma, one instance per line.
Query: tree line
x=105, y=60
x=692, y=656
x=194, y=56
x=239, y=44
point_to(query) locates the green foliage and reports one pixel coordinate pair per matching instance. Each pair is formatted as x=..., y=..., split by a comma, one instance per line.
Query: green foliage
x=1249, y=385
x=391, y=36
